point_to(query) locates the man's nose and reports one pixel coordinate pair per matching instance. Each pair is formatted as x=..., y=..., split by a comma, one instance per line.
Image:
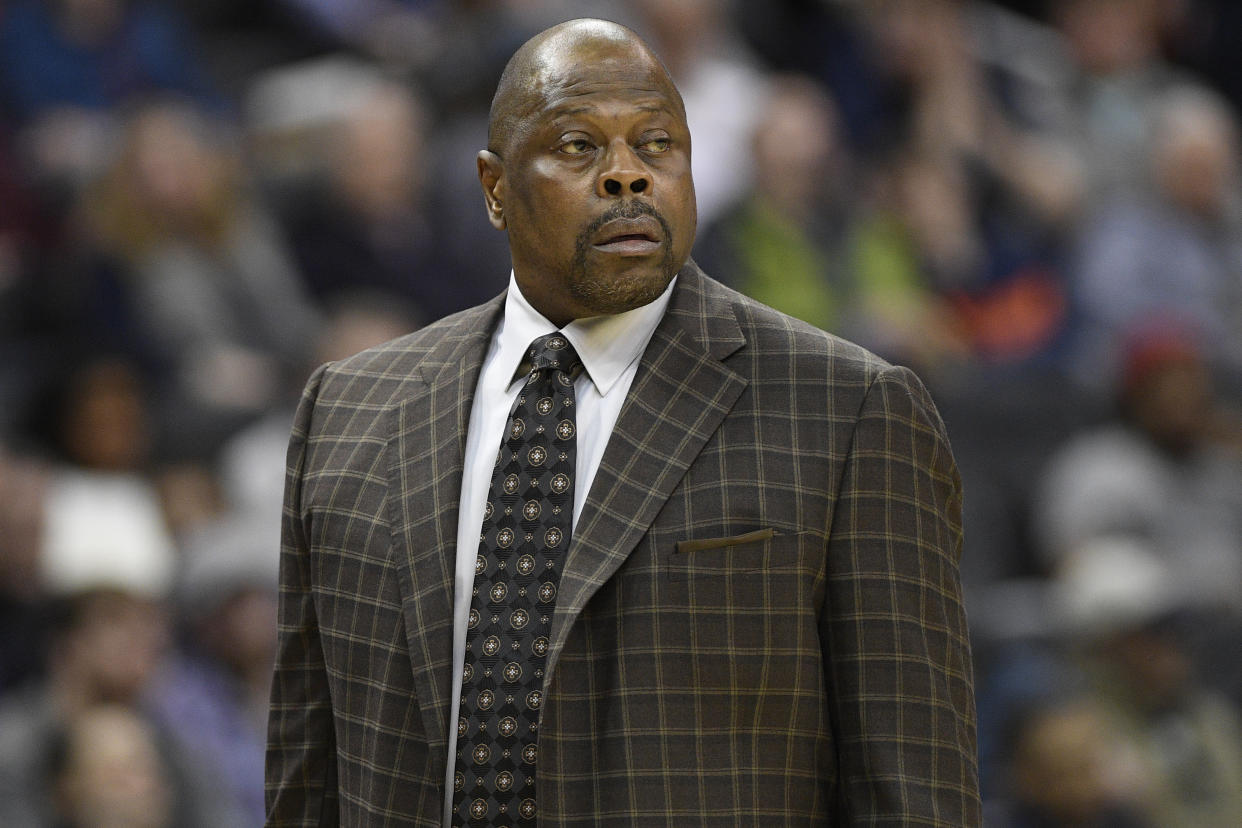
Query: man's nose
x=623, y=174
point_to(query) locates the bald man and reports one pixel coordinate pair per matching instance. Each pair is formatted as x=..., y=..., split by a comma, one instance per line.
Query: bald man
x=710, y=577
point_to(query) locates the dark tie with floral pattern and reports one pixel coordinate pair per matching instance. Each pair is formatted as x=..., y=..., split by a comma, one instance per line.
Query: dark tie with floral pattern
x=526, y=529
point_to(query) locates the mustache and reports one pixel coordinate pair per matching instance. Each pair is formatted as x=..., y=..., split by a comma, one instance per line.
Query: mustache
x=624, y=210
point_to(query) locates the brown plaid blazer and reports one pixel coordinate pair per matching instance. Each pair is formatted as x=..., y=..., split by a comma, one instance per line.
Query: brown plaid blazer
x=760, y=620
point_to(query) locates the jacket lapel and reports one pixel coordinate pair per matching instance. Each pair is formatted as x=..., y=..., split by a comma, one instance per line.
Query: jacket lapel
x=680, y=394
x=425, y=470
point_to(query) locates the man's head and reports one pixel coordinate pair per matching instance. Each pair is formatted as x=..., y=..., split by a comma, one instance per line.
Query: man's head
x=588, y=169
x=1194, y=144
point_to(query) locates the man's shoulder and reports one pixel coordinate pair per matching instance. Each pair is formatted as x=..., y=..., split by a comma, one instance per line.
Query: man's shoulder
x=416, y=356
x=433, y=343
x=772, y=335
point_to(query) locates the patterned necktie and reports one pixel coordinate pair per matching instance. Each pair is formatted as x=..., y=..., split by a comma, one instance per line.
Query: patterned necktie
x=526, y=529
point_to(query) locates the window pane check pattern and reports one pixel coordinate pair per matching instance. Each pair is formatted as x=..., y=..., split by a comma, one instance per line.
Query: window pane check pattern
x=526, y=528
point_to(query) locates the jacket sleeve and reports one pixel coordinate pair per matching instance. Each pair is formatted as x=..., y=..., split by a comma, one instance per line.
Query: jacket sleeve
x=301, y=762
x=894, y=628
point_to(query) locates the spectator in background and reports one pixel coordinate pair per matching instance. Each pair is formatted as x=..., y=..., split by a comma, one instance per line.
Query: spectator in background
x=368, y=224
x=97, y=433
x=1177, y=744
x=781, y=241
x=98, y=420
x=1163, y=471
x=960, y=203
x=105, y=771
x=97, y=428
x=1175, y=253
x=208, y=279
x=67, y=70
x=973, y=201
x=1114, y=76
x=792, y=240
x=911, y=245
x=100, y=429
x=1060, y=769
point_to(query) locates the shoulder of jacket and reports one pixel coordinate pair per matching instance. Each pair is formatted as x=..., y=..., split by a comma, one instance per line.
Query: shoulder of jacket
x=392, y=365
x=769, y=330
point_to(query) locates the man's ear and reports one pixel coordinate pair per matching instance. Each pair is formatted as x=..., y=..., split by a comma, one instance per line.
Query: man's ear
x=492, y=177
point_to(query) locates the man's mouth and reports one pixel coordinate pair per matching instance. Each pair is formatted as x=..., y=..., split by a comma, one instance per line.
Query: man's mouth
x=629, y=237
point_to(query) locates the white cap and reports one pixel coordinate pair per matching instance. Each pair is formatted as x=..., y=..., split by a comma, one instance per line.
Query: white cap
x=105, y=530
x=1114, y=583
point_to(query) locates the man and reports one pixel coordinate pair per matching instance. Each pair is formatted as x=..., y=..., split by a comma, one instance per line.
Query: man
x=744, y=594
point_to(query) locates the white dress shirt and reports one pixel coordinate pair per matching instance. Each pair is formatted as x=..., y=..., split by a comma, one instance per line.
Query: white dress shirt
x=609, y=347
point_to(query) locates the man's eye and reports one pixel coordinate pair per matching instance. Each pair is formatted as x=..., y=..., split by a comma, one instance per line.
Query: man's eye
x=656, y=145
x=576, y=147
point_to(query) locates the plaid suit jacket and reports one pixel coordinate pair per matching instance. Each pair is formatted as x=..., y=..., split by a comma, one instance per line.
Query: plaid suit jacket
x=759, y=622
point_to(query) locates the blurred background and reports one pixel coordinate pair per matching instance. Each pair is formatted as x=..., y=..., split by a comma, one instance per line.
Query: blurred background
x=1034, y=204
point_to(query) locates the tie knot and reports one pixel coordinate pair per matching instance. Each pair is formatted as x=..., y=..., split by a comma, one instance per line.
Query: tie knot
x=552, y=351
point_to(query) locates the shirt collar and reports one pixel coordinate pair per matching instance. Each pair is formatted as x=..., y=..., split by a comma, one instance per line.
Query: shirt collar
x=607, y=345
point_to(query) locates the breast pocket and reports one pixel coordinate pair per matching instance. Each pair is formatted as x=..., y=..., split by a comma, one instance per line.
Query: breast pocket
x=763, y=550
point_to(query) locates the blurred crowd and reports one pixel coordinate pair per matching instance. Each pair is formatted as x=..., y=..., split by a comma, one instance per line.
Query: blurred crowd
x=1034, y=204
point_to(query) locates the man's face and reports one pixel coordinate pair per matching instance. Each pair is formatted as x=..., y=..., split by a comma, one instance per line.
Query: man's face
x=594, y=186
